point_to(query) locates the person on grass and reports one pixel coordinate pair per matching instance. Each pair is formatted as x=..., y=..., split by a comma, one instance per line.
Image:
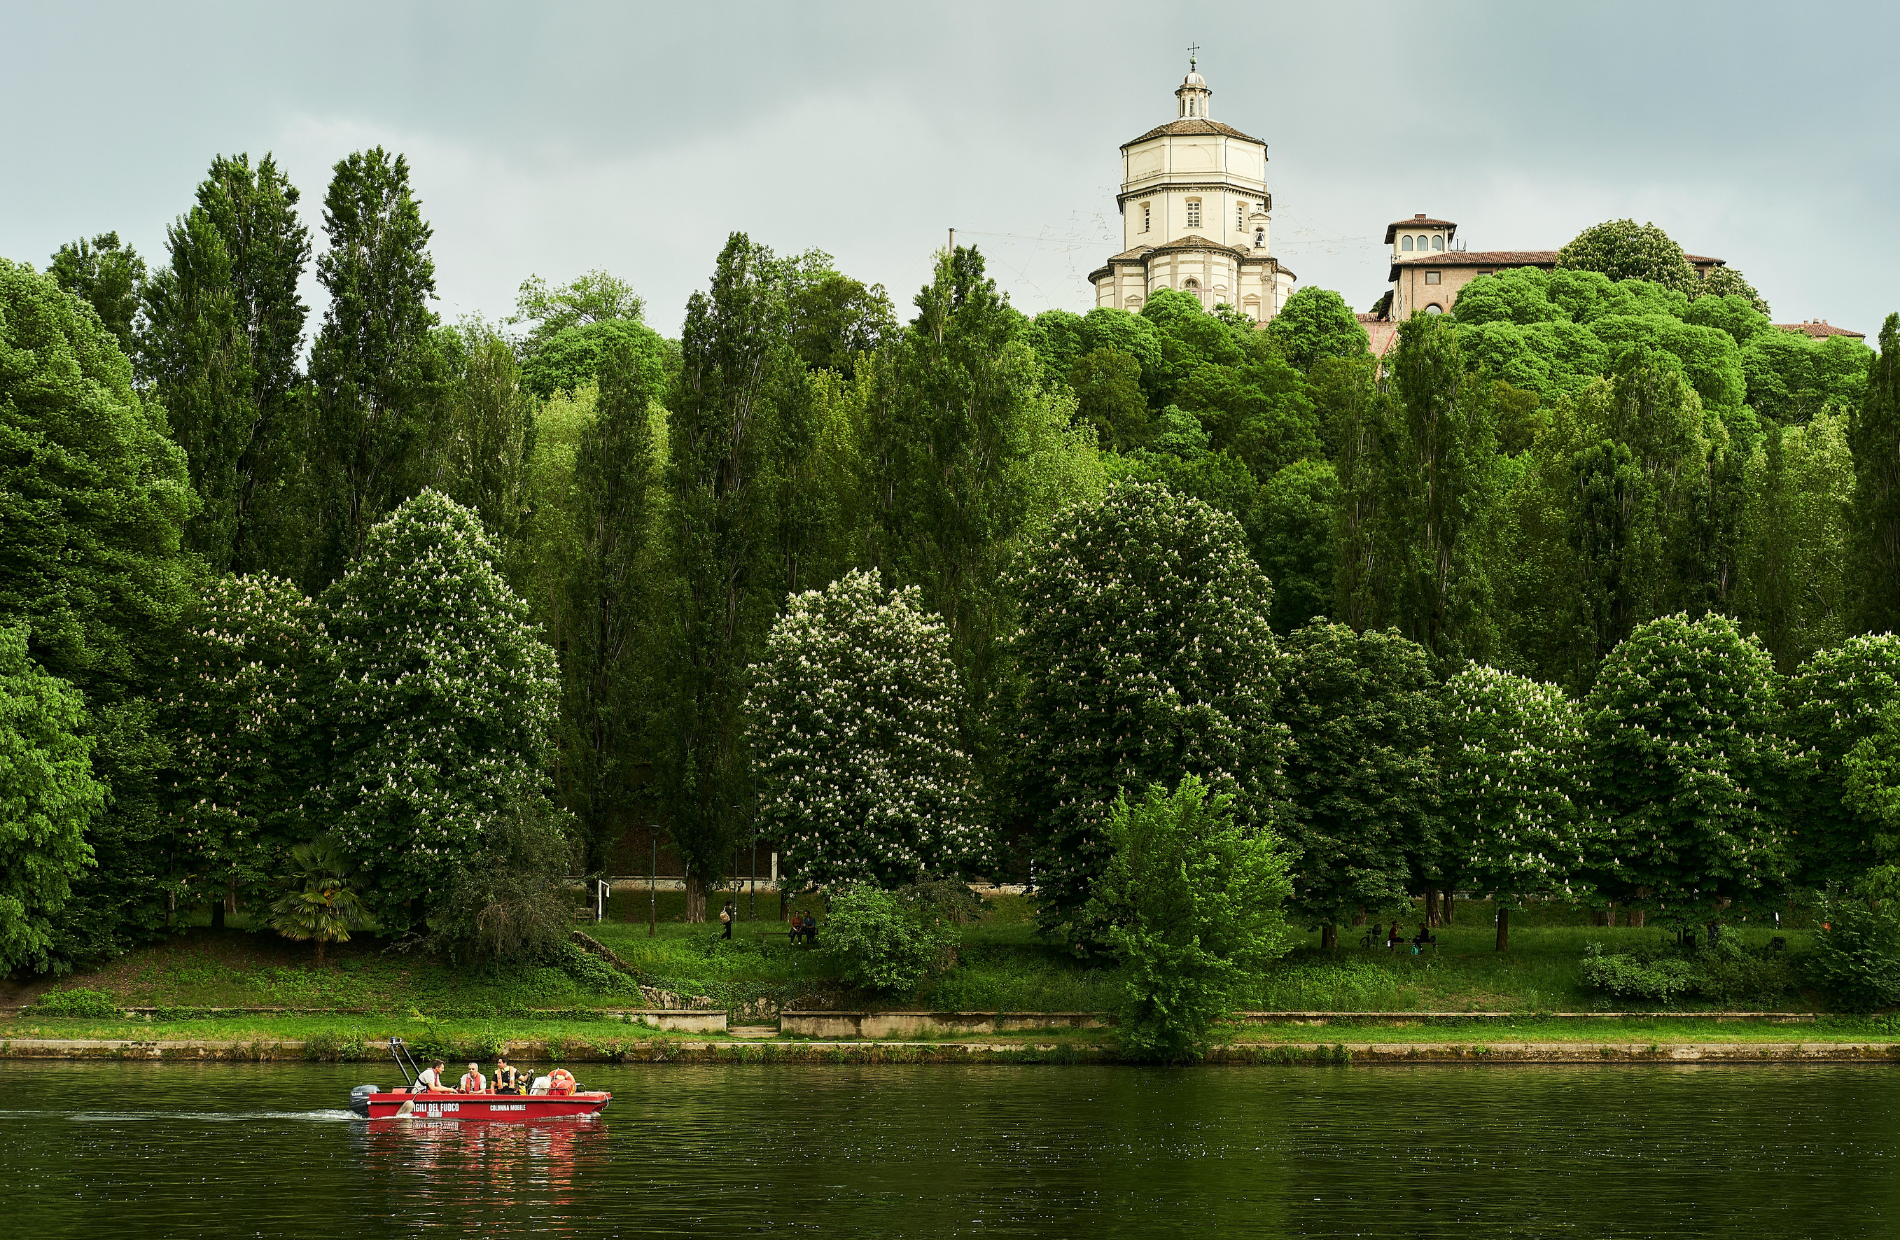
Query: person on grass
x=726, y=918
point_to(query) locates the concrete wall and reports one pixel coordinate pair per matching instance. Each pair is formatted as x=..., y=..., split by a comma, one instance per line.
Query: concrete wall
x=676, y=1021
x=912, y=1024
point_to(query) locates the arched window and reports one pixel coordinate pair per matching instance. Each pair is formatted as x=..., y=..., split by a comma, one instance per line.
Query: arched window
x=1260, y=238
x=1192, y=285
x=1405, y=243
x=1434, y=308
x=1438, y=243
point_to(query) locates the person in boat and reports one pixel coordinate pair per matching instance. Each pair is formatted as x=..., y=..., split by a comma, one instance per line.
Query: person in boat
x=473, y=1082
x=507, y=1080
x=561, y=1081
x=429, y=1080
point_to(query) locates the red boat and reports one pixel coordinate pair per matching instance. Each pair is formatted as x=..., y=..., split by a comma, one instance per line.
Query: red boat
x=372, y=1102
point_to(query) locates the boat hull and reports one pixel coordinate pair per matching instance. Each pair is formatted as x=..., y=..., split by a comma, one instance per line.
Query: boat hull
x=520, y=1107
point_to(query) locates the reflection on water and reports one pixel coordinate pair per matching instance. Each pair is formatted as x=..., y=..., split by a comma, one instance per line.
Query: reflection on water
x=136, y=1150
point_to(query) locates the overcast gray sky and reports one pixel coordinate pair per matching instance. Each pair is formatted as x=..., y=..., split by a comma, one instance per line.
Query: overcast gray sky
x=552, y=138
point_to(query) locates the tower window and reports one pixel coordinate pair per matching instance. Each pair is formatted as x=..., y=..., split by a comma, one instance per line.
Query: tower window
x=1405, y=243
x=1147, y=212
x=1194, y=213
x=1431, y=277
x=1240, y=217
x=1260, y=237
x=1438, y=243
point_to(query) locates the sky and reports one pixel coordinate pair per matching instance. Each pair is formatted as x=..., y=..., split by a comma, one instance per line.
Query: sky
x=556, y=138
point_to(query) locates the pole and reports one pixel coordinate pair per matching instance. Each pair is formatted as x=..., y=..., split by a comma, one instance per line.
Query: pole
x=953, y=243
x=653, y=890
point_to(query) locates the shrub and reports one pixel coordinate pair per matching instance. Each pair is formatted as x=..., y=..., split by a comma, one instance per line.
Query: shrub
x=879, y=943
x=1855, y=959
x=1628, y=977
x=78, y=1002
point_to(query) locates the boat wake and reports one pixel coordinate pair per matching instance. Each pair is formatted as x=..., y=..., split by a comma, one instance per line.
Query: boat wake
x=234, y=1117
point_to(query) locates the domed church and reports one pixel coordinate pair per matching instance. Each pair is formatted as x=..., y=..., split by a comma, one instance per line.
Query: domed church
x=1195, y=215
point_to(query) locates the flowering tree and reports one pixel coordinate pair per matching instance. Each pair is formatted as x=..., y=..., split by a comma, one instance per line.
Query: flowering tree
x=48, y=797
x=1146, y=655
x=238, y=715
x=1510, y=761
x=853, y=716
x=1686, y=767
x=441, y=708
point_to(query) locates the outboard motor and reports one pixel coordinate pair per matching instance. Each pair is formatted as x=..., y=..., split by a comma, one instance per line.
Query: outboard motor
x=359, y=1099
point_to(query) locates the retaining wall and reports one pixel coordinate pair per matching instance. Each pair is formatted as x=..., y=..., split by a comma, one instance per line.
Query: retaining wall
x=914, y=1024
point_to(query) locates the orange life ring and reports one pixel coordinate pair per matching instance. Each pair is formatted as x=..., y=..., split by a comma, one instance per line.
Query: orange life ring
x=561, y=1081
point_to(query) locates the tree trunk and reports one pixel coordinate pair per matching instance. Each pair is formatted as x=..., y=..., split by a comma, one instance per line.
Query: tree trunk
x=1636, y=919
x=217, y=914
x=319, y=953
x=1359, y=916
x=1504, y=929
x=783, y=904
x=1328, y=937
x=695, y=898
x=1450, y=903
x=1431, y=907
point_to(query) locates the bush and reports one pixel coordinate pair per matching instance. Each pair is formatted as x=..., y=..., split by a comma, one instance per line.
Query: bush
x=881, y=944
x=1855, y=959
x=1722, y=972
x=78, y=1002
x=1627, y=977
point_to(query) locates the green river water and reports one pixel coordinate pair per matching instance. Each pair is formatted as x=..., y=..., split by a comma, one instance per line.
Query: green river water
x=135, y=1150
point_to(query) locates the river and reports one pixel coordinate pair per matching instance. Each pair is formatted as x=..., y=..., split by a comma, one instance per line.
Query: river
x=134, y=1150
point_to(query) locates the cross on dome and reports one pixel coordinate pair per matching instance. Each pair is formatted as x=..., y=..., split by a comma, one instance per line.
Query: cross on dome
x=1193, y=92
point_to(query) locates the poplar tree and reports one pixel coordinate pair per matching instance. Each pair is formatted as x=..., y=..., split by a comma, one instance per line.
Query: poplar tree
x=223, y=329
x=1874, y=435
x=375, y=366
x=106, y=274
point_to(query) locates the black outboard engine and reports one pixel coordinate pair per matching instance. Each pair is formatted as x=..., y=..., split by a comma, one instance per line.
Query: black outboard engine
x=359, y=1099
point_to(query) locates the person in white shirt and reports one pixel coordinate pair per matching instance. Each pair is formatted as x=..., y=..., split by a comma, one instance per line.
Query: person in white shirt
x=429, y=1080
x=473, y=1082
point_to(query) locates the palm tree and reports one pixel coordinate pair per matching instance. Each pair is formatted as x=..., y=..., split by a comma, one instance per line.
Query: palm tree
x=323, y=908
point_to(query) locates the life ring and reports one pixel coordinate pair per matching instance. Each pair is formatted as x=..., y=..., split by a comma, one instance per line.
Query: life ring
x=561, y=1081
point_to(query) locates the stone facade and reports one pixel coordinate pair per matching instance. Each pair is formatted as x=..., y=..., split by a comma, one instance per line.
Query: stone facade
x=1196, y=215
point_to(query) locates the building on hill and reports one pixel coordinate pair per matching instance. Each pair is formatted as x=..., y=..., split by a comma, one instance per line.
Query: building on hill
x=1196, y=215
x=1820, y=329
x=1427, y=270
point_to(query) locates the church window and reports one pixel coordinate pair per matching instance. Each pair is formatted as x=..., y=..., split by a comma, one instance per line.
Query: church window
x=1434, y=308
x=1431, y=277
x=1438, y=243
x=1405, y=243
x=1147, y=211
x=1194, y=213
x=1260, y=237
x=1192, y=285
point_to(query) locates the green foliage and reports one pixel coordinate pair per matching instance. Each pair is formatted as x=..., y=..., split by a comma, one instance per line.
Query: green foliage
x=1146, y=655
x=1107, y=386
x=1855, y=959
x=78, y=1001
x=106, y=275
x=485, y=435
x=376, y=366
x=247, y=670
x=1795, y=536
x=442, y=710
x=1792, y=378
x=320, y=905
x=1511, y=770
x=854, y=713
x=1738, y=316
x=1721, y=972
x=836, y=321
x=1688, y=773
x=508, y=901
x=1726, y=283
x=879, y=943
x=1291, y=533
x=1315, y=323
x=1362, y=716
x=595, y=297
x=1837, y=703
x=571, y=358
x=48, y=799
x=1193, y=906
x=1624, y=250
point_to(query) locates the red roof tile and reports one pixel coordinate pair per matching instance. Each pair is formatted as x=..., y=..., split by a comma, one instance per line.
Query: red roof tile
x=1190, y=126
x=1820, y=329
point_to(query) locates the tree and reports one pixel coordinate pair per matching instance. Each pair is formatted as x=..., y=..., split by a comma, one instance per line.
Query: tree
x=237, y=710
x=441, y=714
x=854, y=724
x=509, y=902
x=106, y=275
x=836, y=321
x=1294, y=545
x=1362, y=715
x=742, y=397
x=1800, y=483
x=570, y=359
x=1727, y=282
x=1511, y=776
x=320, y=904
x=1314, y=323
x=1873, y=433
x=48, y=800
x=1624, y=250
x=596, y=297
x=223, y=329
x=376, y=366
x=1687, y=770
x=1838, y=704
x=1791, y=378
x=92, y=497
x=612, y=591
x=1107, y=386
x=487, y=435
x=1146, y=655
x=1194, y=908
x=881, y=942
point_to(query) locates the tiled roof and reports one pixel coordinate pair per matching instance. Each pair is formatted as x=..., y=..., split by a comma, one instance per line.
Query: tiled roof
x=1476, y=258
x=1194, y=242
x=1189, y=126
x=1417, y=221
x=1820, y=329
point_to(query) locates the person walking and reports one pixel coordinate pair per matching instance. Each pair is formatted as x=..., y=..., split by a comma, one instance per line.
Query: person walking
x=727, y=916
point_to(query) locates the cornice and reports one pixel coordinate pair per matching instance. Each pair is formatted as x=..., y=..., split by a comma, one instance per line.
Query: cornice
x=1257, y=189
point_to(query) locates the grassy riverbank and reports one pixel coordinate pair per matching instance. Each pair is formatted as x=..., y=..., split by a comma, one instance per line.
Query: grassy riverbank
x=1002, y=966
